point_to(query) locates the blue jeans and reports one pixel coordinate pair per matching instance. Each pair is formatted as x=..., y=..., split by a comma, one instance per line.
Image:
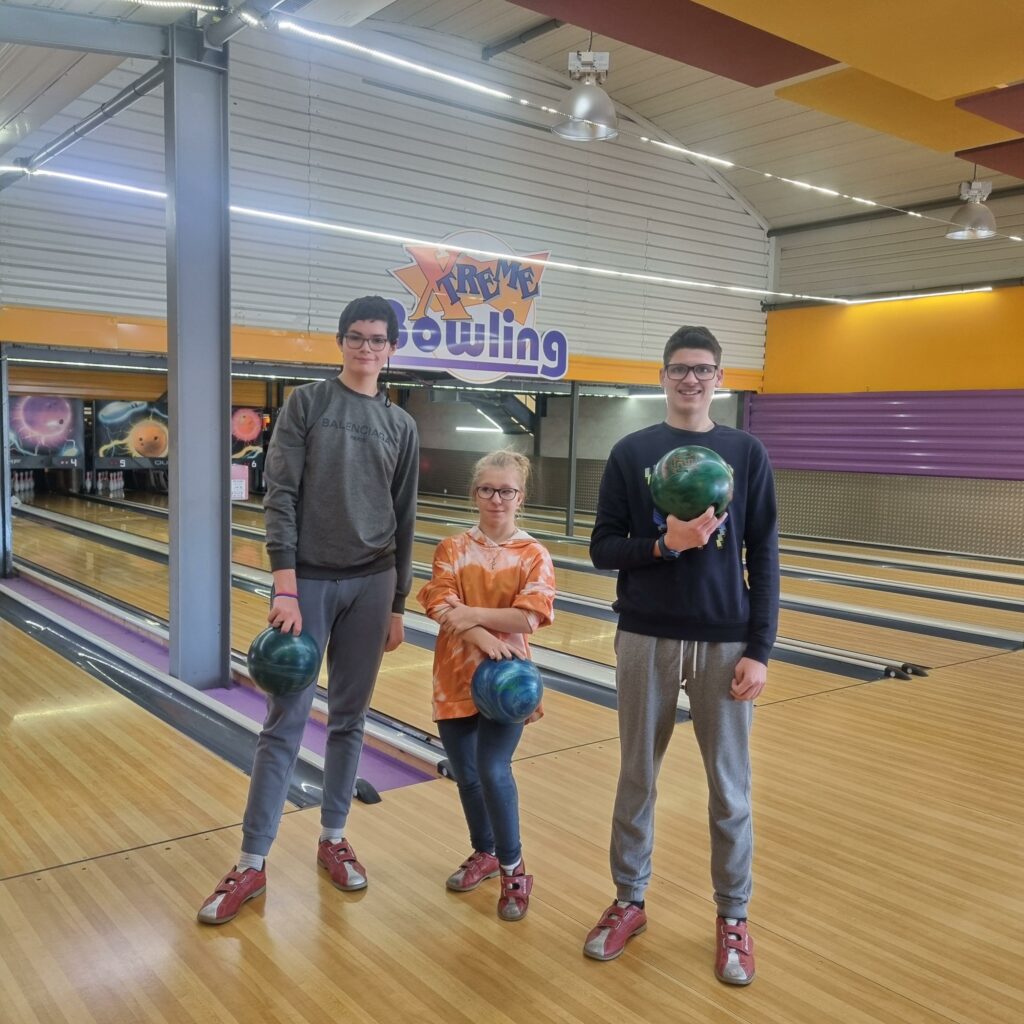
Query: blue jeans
x=480, y=753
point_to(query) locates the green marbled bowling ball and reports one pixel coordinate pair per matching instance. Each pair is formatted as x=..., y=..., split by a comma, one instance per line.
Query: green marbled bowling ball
x=689, y=480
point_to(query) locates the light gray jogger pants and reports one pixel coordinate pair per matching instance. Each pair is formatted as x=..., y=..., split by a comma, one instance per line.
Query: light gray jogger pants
x=349, y=619
x=649, y=671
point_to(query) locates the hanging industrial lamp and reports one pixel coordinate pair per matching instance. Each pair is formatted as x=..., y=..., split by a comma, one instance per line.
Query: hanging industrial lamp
x=587, y=113
x=974, y=219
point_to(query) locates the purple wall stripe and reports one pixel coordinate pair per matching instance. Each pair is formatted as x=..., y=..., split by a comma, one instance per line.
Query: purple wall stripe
x=925, y=433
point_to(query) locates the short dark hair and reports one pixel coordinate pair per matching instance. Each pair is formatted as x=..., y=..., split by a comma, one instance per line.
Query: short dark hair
x=369, y=307
x=693, y=337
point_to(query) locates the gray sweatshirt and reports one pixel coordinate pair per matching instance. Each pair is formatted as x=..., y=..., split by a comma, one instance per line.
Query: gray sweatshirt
x=342, y=471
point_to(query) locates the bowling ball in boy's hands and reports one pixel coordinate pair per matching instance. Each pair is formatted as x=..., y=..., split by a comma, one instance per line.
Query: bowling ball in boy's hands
x=507, y=691
x=283, y=663
x=688, y=481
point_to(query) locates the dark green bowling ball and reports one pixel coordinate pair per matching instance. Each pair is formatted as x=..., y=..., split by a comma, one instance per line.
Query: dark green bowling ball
x=283, y=663
x=507, y=691
x=689, y=480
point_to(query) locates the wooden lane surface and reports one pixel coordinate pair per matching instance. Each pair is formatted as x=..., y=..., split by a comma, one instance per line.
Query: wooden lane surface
x=893, y=644
x=907, y=605
x=252, y=553
x=87, y=773
x=403, y=692
x=888, y=841
x=889, y=826
x=979, y=563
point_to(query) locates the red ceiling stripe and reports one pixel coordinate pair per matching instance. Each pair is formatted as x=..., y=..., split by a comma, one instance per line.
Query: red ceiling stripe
x=1007, y=157
x=1004, y=106
x=691, y=34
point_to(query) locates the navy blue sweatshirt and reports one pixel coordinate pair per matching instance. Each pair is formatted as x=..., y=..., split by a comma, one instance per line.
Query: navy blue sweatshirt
x=702, y=595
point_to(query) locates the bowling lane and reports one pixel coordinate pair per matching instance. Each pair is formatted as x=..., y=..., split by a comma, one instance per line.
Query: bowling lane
x=69, y=745
x=976, y=563
x=891, y=644
x=923, y=608
x=404, y=691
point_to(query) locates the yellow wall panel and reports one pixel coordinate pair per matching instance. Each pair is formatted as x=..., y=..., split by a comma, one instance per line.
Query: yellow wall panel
x=856, y=96
x=99, y=331
x=938, y=48
x=87, y=384
x=948, y=343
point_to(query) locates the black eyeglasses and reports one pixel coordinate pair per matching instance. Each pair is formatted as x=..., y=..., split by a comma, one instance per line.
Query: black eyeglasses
x=505, y=493
x=357, y=341
x=680, y=371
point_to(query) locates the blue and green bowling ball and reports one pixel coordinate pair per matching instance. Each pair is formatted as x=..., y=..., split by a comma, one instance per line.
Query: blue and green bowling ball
x=282, y=663
x=688, y=481
x=507, y=691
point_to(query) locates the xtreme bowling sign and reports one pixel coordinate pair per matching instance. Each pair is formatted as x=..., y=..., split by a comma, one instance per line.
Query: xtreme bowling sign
x=473, y=311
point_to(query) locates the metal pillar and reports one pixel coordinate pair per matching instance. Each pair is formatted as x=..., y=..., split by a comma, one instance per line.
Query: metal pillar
x=574, y=415
x=6, y=554
x=199, y=361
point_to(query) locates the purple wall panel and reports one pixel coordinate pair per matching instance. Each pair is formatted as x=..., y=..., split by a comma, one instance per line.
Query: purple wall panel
x=924, y=433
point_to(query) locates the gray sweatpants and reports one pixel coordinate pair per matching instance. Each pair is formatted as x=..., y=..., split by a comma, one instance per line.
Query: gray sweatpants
x=649, y=672
x=349, y=619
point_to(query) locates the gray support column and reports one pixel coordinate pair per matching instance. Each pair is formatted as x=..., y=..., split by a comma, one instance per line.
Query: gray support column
x=199, y=362
x=574, y=415
x=6, y=554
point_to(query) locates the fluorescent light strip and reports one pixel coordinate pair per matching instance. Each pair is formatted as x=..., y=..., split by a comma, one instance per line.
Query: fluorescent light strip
x=628, y=275
x=185, y=4
x=101, y=182
x=272, y=21
x=388, y=58
x=921, y=295
x=386, y=236
x=90, y=366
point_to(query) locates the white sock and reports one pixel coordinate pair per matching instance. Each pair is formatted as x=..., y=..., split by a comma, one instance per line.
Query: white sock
x=509, y=868
x=332, y=835
x=250, y=860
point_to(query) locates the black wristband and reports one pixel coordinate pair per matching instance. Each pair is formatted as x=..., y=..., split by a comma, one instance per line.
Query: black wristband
x=666, y=551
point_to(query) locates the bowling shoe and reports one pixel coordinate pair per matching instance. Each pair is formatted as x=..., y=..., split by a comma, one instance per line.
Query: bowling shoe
x=515, y=894
x=608, y=938
x=339, y=860
x=233, y=890
x=734, y=953
x=472, y=871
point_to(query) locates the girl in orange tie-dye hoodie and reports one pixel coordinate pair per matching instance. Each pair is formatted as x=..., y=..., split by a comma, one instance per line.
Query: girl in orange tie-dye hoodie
x=491, y=586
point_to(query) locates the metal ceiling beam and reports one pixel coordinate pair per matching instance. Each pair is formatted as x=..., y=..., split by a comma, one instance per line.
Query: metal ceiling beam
x=511, y=42
x=35, y=26
x=860, y=218
x=125, y=98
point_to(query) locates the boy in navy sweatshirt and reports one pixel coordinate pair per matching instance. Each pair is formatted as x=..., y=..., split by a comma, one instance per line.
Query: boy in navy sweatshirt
x=687, y=616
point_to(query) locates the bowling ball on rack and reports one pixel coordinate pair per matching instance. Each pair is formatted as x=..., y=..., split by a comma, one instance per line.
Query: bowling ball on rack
x=282, y=663
x=688, y=481
x=507, y=691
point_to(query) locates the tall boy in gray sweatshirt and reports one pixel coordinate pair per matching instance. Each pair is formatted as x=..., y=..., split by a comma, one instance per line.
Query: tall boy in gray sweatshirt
x=342, y=471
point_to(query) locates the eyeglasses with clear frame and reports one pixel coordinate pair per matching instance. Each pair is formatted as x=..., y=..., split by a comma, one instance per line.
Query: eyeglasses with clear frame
x=357, y=341
x=680, y=371
x=505, y=493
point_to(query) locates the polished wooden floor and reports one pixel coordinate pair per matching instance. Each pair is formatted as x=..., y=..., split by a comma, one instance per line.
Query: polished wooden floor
x=889, y=823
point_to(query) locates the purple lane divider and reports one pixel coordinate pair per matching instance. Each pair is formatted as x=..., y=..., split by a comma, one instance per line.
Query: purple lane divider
x=380, y=770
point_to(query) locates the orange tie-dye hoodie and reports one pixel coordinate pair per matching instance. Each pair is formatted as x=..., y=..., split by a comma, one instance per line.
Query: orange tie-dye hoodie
x=482, y=574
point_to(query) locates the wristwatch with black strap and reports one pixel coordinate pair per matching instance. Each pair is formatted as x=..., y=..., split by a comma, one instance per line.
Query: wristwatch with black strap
x=666, y=551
